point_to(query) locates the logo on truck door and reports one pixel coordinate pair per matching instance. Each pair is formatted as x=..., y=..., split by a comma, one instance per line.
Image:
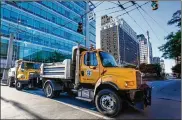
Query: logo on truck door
x=89, y=73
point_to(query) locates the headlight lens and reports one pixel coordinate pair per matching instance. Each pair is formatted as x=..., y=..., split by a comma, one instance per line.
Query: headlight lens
x=129, y=83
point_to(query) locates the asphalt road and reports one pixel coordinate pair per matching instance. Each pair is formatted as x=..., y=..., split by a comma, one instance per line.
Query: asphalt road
x=30, y=104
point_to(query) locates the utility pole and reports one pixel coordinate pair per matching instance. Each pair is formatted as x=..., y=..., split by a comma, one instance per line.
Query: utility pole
x=119, y=57
x=138, y=61
x=148, y=57
x=9, y=60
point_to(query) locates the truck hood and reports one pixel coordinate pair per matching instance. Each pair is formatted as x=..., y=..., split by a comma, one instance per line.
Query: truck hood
x=124, y=73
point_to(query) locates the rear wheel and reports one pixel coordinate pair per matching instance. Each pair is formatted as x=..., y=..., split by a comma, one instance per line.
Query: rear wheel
x=19, y=85
x=49, y=91
x=108, y=102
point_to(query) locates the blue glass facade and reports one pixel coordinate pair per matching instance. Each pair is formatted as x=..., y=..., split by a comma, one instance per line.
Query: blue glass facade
x=92, y=33
x=44, y=29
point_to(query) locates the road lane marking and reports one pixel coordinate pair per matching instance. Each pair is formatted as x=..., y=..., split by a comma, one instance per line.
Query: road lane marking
x=84, y=110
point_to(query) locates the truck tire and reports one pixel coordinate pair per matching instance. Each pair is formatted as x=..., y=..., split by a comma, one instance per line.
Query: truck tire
x=10, y=83
x=108, y=102
x=19, y=85
x=49, y=91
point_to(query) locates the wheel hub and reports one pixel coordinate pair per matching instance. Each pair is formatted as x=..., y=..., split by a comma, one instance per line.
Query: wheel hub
x=107, y=102
x=48, y=90
x=18, y=84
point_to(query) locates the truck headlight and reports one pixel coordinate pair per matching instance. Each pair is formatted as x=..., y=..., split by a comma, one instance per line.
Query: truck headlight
x=129, y=83
x=126, y=84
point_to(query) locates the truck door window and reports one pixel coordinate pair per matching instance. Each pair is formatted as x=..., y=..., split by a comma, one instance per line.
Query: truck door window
x=90, y=59
x=22, y=66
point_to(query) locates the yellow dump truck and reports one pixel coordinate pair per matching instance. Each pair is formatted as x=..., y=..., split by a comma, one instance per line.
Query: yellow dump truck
x=25, y=73
x=93, y=76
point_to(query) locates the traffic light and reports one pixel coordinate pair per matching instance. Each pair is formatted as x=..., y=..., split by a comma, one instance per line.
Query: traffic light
x=154, y=4
x=80, y=28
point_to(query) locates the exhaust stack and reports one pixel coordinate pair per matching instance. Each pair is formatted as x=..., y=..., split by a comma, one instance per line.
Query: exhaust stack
x=77, y=81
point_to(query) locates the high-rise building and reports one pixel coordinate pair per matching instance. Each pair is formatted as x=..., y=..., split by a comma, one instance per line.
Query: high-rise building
x=119, y=39
x=145, y=49
x=156, y=60
x=43, y=28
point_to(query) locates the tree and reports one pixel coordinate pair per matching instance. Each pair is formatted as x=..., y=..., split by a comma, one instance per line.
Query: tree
x=130, y=66
x=150, y=68
x=177, y=69
x=176, y=19
x=172, y=48
x=142, y=68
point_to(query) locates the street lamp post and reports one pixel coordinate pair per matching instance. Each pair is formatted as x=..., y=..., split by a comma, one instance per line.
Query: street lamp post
x=9, y=56
x=9, y=60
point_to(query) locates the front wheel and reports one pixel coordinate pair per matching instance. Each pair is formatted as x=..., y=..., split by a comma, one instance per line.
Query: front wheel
x=108, y=102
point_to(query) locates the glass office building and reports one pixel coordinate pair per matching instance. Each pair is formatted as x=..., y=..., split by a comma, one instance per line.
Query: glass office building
x=45, y=31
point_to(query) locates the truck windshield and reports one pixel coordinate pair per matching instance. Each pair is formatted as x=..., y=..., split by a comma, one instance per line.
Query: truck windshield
x=30, y=66
x=107, y=60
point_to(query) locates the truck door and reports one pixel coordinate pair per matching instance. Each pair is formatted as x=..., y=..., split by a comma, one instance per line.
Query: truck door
x=89, y=70
x=21, y=72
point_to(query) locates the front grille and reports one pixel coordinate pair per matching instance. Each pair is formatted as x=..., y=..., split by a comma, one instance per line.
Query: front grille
x=138, y=78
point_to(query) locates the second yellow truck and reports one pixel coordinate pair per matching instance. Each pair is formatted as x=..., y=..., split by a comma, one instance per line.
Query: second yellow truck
x=24, y=74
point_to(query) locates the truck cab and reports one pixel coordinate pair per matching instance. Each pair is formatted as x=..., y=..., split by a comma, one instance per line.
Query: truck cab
x=94, y=76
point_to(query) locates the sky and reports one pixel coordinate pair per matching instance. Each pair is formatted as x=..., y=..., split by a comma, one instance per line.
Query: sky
x=162, y=15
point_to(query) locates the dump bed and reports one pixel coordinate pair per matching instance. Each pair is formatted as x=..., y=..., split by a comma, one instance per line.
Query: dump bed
x=61, y=70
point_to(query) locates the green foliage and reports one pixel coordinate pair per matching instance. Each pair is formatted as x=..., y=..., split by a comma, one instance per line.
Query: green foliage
x=172, y=48
x=150, y=68
x=176, y=68
x=176, y=19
